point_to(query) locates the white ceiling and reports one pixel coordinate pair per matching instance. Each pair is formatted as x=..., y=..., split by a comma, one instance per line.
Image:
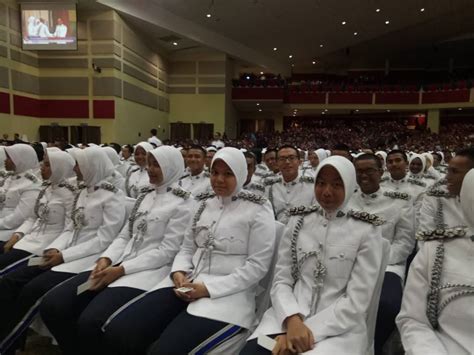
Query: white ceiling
x=249, y=29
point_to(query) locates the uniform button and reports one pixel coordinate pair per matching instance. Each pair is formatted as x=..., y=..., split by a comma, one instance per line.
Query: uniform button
x=325, y=224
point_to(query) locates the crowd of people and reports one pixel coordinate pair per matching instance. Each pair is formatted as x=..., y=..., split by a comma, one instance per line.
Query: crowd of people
x=284, y=243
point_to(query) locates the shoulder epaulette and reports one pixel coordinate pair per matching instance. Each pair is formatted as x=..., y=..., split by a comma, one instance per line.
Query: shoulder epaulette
x=307, y=179
x=68, y=186
x=250, y=196
x=181, y=193
x=439, y=183
x=146, y=189
x=428, y=176
x=416, y=182
x=264, y=174
x=441, y=233
x=81, y=185
x=270, y=181
x=4, y=174
x=303, y=210
x=385, y=178
x=204, y=196
x=31, y=177
x=366, y=217
x=438, y=193
x=256, y=186
x=396, y=194
x=108, y=186
x=184, y=176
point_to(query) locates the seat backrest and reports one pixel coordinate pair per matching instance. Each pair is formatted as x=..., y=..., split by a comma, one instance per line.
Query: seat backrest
x=374, y=303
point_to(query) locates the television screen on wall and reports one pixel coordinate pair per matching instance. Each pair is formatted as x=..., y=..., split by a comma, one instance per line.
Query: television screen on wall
x=49, y=26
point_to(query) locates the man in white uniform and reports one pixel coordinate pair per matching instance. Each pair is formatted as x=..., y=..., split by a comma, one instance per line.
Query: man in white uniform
x=61, y=29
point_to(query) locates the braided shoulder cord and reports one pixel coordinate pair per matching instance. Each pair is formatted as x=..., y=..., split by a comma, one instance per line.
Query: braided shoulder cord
x=456, y=296
x=75, y=210
x=198, y=214
x=46, y=184
x=295, y=267
x=133, y=214
x=270, y=198
x=432, y=298
x=127, y=180
x=439, y=217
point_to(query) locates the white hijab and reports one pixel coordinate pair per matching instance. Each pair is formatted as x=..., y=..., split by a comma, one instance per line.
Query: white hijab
x=235, y=159
x=347, y=172
x=171, y=163
x=384, y=156
x=145, y=145
x=112, y=155
x=467, y=198
x=23, y=156
x=321, y=153
x=94, y=165
x=423, y=163
x=62, y=165
x=3, y=156
x=428, y=156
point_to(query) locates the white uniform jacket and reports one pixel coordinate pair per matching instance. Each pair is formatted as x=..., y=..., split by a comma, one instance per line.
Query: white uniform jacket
x=334, y=302
x=455, y=332
x=137, y=178
x=196, y=184
x=97, y=219
x=285, y=195
x=117, y=180
x=146, y=252
x=228, y=247
x=52, y=212
x=396, y=209
x=440, y=210
x=17, y=199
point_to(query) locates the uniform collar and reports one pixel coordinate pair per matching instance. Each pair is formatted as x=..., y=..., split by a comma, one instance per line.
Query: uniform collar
x=198, y=176
x=372, y=195
x=292, y=182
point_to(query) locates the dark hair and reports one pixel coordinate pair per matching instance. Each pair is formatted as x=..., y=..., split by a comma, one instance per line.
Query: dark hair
x=468, y=153
x=116, y=147
x=252, y=156
x=129, y=147
x=438, y=155
x=153, y=131
x=398, y=151
x=289, y=146
x=38, y=147
x=271, y=150
x=198, y=147
x=341, y=146
x=367, y=156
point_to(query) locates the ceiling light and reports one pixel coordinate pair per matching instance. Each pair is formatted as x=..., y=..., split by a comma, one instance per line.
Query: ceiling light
x=247, y=77
x=343, y=22
x=290, y=56
x=355, y=33
x=258, y=104
x=292, y=65
x=296, y=110
x=388, y=110
x=377, y=10
x=175, y=43
x=314, y=62
x=275, y=48
x=321, y=45
x=387, y=22
x=459, y=108
x=357, y=110
x=208, y=15
x=422, y=9
x=261, y=73
x=259, y=110
x=326, y=110
x=323, y=113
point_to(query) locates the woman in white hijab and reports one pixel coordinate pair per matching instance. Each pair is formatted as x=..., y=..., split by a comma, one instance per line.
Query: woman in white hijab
x=137, y=176
x=437, y=311
x=52, y=211
x=227, y=250
x=116, y=178
x=430, y=171
x=136, y=261
x=19, y=190
x=315, y=157
x=328, y=264
x=98, y=214
x=417, y=165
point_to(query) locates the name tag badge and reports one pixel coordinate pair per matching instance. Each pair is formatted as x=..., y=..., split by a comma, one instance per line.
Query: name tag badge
x=84, y=287
x=266, y=342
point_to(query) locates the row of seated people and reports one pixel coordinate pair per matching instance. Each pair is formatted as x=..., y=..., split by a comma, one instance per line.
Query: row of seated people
x=168, y=271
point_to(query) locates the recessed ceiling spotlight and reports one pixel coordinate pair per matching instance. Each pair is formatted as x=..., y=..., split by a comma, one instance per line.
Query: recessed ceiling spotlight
x=387, y=22
x=459, y=108
x=208, y=15
x=259, y=110
x=290, y=56
x=296, y=110
x=325, y=110
x=323, y=113
x=422, y=9
x=275, y=48
x=355, y=33
x=175, y=43
x=247, y=77
x=357, y=110
x=377, y=10
x=261, y=73
x=388, y=110
x=258, y=104
x=292, y=65
x=343, y=23
x=321, y=45
x=314, y=62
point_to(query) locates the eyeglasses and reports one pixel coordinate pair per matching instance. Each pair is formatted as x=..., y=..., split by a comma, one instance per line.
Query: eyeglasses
x=369, y=172
x=290, y=159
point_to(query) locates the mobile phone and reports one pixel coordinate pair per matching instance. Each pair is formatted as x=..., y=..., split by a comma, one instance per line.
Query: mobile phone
x=184, y=289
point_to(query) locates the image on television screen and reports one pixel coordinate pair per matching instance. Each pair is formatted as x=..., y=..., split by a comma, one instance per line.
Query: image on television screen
x=49, y=26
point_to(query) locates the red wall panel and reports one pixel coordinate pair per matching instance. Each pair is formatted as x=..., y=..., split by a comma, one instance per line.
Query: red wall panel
x=350, y=98
x=435, y=97
x=4, y=102
x=306, y=98
x=396, y=98
x=104, y=108
x=27, y=106
x=257, y=93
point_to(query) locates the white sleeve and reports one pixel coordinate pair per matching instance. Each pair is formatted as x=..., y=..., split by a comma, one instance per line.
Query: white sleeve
x=426, y=221
x=404, y=238
x=23, y=210
x=261, y=244
x=113, y=220
x=351, y=308
x=116, y=249
x=418, y=337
